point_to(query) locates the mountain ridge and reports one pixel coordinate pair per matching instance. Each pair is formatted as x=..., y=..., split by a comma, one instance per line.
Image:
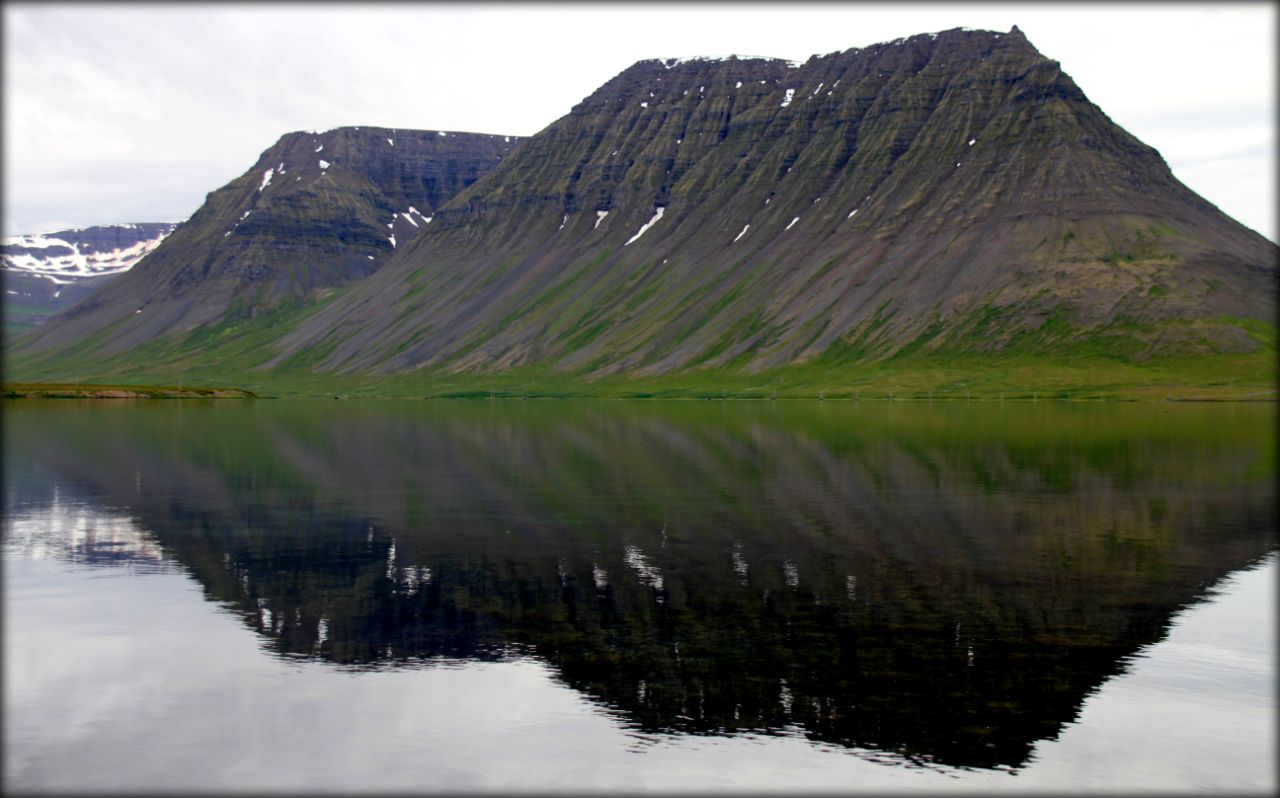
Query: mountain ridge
x=692, y=181
x=948, y=192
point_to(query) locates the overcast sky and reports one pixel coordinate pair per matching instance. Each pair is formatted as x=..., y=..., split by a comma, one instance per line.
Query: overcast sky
x=132, y=113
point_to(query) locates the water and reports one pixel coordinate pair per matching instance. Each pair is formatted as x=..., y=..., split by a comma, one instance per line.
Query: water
x=577, y=596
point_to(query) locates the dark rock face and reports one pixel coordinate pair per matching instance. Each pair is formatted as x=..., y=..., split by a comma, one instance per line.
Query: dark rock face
x=317, y=211
x=948, y=189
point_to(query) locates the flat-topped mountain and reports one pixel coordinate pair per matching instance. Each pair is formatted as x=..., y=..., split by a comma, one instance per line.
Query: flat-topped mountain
x=950, y=188
x=949, y=192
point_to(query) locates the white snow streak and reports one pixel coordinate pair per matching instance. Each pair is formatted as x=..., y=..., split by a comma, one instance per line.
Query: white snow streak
x=656, y=216
x=793, y=221
x=600, y=217
x=787, y=101
x=740, y=235
x=266, y=178
x=324, y=164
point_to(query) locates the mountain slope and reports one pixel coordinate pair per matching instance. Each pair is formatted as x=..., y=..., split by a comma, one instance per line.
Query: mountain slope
x=317, y=210
x=927, y=187
x=947, y=193
x=47, y=272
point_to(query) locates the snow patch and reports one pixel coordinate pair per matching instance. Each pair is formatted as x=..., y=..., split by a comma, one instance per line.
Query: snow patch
x=324, y=164
x=644, y=105
x=392, y=239
x=656, y=216
x=441, y=133
x=793, y=221
x=266, y=179
x=409, y=219
x=851, y=213
x=66, y=258
x=563, y=222
x=392, y=143
x=972, y=142
x=321, y=147
x=787, y=101
x=600, y=217
x=740, y=235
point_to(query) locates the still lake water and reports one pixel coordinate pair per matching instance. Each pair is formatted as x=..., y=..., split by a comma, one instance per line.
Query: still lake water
x=629, y=596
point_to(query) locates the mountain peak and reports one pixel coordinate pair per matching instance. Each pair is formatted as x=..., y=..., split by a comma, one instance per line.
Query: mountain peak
x=952, y=190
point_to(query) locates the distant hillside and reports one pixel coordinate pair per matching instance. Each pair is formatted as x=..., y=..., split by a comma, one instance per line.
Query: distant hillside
x=47, y=272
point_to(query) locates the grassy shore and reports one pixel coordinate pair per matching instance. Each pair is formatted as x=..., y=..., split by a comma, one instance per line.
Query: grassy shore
x=50, y=390
x=1245, y=377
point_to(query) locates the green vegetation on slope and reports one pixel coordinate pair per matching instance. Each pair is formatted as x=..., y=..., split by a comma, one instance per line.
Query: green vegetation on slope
x=1086, y=371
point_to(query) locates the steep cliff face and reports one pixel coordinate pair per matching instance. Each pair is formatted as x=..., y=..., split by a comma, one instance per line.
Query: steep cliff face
x=48, y=272
x=317, y=210
x=952, y=189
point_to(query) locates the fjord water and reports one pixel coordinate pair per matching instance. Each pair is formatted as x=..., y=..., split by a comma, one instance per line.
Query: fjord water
x=504, y=595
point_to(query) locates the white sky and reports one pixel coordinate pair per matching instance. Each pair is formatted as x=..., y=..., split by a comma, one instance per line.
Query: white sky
x=132, y=113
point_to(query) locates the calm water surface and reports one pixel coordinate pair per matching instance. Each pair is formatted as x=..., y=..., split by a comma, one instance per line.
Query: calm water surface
x=577, y=596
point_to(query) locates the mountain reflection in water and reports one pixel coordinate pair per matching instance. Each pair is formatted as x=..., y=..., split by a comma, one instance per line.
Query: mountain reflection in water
x=947, y=583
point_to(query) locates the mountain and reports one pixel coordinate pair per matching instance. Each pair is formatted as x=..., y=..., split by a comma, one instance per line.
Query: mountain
x=946, y=193
x=318, y=210
x=47, y=272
